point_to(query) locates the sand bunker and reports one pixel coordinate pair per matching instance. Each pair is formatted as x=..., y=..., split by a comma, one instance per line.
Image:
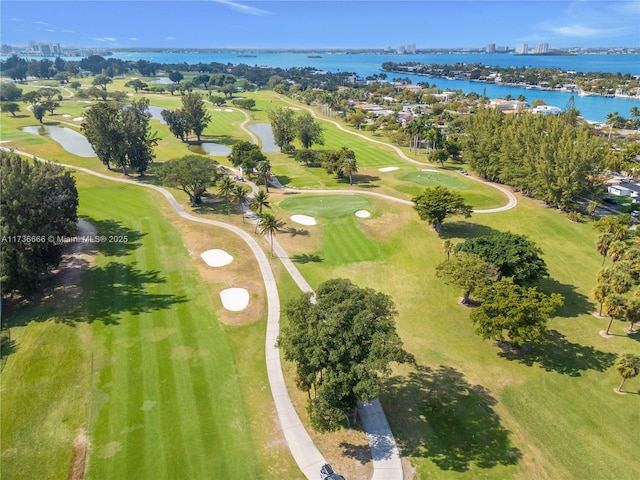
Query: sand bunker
x=216, y=258
x=429, y=170
x=235, y=299
x=387, y=169
x=78, y=119
x=363, y=214
x=66, y=115
x=228, y=109
x=217, y=109
x=303, y=219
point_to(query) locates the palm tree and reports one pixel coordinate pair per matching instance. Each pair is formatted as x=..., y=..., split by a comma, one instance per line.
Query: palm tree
x=239, y=194
x=259, y=202
x=614, y=305
x=264, y=172
x=632, y=311
x=611, y=119
x=617, y=250
x=268, y=223
x=602, y=245
x=628, y=366
x=348, y=168
x=225, y=189
x=600, y=292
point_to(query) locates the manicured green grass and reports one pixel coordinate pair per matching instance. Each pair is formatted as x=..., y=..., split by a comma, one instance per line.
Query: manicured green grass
x=469, y=409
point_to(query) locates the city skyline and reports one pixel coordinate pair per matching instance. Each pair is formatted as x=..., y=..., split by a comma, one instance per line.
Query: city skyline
x=321, y=24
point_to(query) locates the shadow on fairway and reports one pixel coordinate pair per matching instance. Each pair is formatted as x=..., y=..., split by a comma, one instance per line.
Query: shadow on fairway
x=575, y=303
x=119, y=240
x=448, y=420
x=464, y=230
x=307, y=258
x=556, y=354
x=296, y=232
x=118, y=288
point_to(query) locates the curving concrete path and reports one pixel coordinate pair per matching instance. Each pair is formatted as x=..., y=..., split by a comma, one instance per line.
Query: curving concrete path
x=303, y=450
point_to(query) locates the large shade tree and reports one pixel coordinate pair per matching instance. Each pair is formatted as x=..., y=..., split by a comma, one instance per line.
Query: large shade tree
x=341, y=345
x=191, y=173
x=283, y=124
x=39, y=200
x=308, y=130
x=435, y=204
x=513, y=255
x=466, y=271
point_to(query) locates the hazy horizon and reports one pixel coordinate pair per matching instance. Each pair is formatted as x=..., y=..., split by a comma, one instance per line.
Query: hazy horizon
x=330, y=25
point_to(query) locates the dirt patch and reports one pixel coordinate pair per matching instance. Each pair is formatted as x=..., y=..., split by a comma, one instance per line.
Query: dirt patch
x=77, y=256
x=80, y=450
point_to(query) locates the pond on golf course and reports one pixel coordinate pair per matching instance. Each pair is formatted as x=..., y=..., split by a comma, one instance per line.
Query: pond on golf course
x=72, y=141
x=210, y=148
x=265, y=132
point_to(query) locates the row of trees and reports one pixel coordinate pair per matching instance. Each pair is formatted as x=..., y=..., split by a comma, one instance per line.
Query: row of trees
x=615, y=281
x=545, y=157
x=287, y=126
x=39, y=205
x=121, y=135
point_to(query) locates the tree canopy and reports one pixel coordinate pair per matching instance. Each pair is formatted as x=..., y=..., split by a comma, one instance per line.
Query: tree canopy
x=437, y=203
x=192, y=173
x=513, y=313
x=513, y=255
x=466, y=270
x=283, y=126
x=308, y=130
x=246, y=155
x=39, y=201
x=341, y=345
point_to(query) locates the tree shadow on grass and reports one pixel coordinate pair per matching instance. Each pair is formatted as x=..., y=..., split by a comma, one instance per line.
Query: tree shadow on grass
x=449, y=421
x=464, y=230
x=117, y=288
x=117, y=239
x=360, y=453
x=307, y=258
x=575, y=303
x=296, y=232
x=556, y=354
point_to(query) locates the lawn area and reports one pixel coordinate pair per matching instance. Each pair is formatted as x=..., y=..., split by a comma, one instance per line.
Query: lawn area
x=468, y=409
x=142, y=363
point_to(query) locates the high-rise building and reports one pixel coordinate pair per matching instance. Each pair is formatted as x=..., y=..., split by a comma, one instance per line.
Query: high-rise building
x=490, y=48
x=522, y=48
x=400, y=49
x=411, y=48
x=541, y=48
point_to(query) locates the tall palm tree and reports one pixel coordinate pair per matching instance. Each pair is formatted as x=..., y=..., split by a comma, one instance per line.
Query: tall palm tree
x=614, y=306
x=628, y=366
x=259, y=202
x=239, y=195
x=603, y=242
x=268, y=223
x=225, y=189
x=632, y=312
x=349, y=168
x=264, y=172
x=448, y=248
x=611, y=119
x=600, y=293
x=617, y=250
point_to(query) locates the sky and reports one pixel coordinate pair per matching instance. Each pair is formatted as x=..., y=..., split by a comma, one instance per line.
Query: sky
x=320, y=24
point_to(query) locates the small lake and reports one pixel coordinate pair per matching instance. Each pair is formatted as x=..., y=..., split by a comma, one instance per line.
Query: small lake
x=210, y=148
x=264, y=131
x=72, y=141
x=156, y=113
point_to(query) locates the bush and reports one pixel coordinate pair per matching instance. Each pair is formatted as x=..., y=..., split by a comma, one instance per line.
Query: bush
x=288, y=149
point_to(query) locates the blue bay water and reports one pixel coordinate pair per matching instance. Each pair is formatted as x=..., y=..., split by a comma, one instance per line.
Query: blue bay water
x=592, y=108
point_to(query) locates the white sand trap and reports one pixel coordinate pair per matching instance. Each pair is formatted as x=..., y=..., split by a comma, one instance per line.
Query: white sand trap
x=303, y=219
x=228, y=109
x=216, y=258
x=387, y=169
x=429, y=170
x=218, y=109
x=78, y=119
x=66, y=115
x=235, y=299
x=363, y=214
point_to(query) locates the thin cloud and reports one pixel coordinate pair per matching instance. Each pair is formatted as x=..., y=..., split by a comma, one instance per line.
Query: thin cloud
x=41, y=23
x=243, y=8
x=582, y=31
x=68, y=31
